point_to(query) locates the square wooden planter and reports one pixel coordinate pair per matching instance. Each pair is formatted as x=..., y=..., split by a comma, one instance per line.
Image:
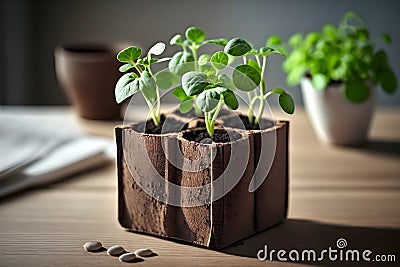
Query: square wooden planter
x=221, y=221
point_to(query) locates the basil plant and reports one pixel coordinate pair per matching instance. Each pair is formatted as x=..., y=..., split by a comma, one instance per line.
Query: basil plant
x=207, y=88
x=342, y=53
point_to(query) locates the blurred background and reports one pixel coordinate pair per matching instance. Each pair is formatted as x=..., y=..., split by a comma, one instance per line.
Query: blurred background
x=31, y=29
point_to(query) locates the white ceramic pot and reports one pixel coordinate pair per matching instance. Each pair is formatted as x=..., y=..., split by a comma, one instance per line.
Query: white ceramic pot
x=334, y=118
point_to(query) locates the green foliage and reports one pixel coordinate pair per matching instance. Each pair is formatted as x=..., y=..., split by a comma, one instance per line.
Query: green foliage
x=246, y=78
x=207, y=89
x=181, y=63
x=165, y=79
x=343, y=53
x=219, y=60
x=125, y=87
x=195, y=35
x=204, y=86
x=237, y=47
x=129, y=54
x=193, y=83
x=141, y=79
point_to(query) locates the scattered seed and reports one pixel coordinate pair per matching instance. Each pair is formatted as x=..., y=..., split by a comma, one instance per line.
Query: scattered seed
x=115, y=250
x=127, y=257
x=144, y=252
x=92, y=246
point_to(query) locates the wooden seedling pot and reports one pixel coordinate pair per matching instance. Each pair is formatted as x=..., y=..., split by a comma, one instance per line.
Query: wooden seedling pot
x=220, y=222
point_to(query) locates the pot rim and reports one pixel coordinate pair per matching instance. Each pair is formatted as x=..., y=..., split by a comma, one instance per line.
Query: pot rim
x=244, y=135
x=101, y=50
x=276, y=124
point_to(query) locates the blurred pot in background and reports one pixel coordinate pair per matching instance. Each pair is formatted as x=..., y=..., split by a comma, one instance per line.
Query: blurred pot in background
x=340, y=68
x=88, y=73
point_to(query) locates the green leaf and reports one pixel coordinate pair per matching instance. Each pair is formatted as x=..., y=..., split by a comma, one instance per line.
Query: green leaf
x=237, y=47
x=176, y=40
x=295, y=75
x=379, y=61
x=157, y=49
x=265, y=51
x=181, y=63
x=165, y=79
x=129, y=54
x=203, y=59
x=126, y=67
x=148, y=86
x=356, y=91
x=230, y=100
x=163, y=59
x=386, y=37
x=220, y=41
x=388, y=81
x=207, y=69
x=219, y=60
x=312, y=38
x=225, y=81
x=145, y=61
x=179, y=93
x=295, y=40
x=195, y=35
x=362, y=34
x=254, y=64
x=274, y=40
x=193, y=83
x=319, y=81
x=278, y=91
x=208, y=99
x=246, y=78
x=186, y=106
x=125, y=87
x=330, y=31
x=286, y=102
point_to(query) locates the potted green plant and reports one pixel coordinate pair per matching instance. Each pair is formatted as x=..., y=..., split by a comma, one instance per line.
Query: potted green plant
x=211, y=186
x=339, y=69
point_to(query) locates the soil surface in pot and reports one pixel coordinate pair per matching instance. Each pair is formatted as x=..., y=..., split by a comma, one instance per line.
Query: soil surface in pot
x=152, y=128
x=247, y=124
x=220, y=136
x=244, y=123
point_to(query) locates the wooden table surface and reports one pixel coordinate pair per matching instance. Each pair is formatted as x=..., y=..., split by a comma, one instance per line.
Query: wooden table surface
x=335, y=192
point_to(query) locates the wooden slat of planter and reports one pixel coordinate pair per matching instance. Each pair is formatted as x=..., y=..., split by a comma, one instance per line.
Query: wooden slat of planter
x=194, y=223
x=137, y=210
x=218, y=207
x=238, y=220
x=271, y=197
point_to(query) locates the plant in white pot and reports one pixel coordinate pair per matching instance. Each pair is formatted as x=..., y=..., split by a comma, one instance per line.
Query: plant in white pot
x=339, y=69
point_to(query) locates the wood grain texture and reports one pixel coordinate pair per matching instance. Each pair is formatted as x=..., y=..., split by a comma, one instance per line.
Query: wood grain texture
x=334, y=192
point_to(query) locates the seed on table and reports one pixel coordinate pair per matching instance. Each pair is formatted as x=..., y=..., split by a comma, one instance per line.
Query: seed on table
x=144, y=252
x=92, y=246
x=127, y=257
x=115, y=250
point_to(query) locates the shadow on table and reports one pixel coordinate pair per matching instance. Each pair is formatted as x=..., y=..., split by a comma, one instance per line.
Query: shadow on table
x=301, y=235
x=383, y=147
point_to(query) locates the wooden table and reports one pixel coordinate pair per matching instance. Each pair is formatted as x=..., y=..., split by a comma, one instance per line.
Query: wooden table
x=335, y=192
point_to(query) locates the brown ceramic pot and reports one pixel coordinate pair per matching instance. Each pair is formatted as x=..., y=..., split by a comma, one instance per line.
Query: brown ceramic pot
x=223, y=221
x=88, y=74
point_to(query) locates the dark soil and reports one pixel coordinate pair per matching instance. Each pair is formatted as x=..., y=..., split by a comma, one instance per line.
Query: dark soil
x=244, y=124
x=151, y=128
x=220, y=136
x=247, y=124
